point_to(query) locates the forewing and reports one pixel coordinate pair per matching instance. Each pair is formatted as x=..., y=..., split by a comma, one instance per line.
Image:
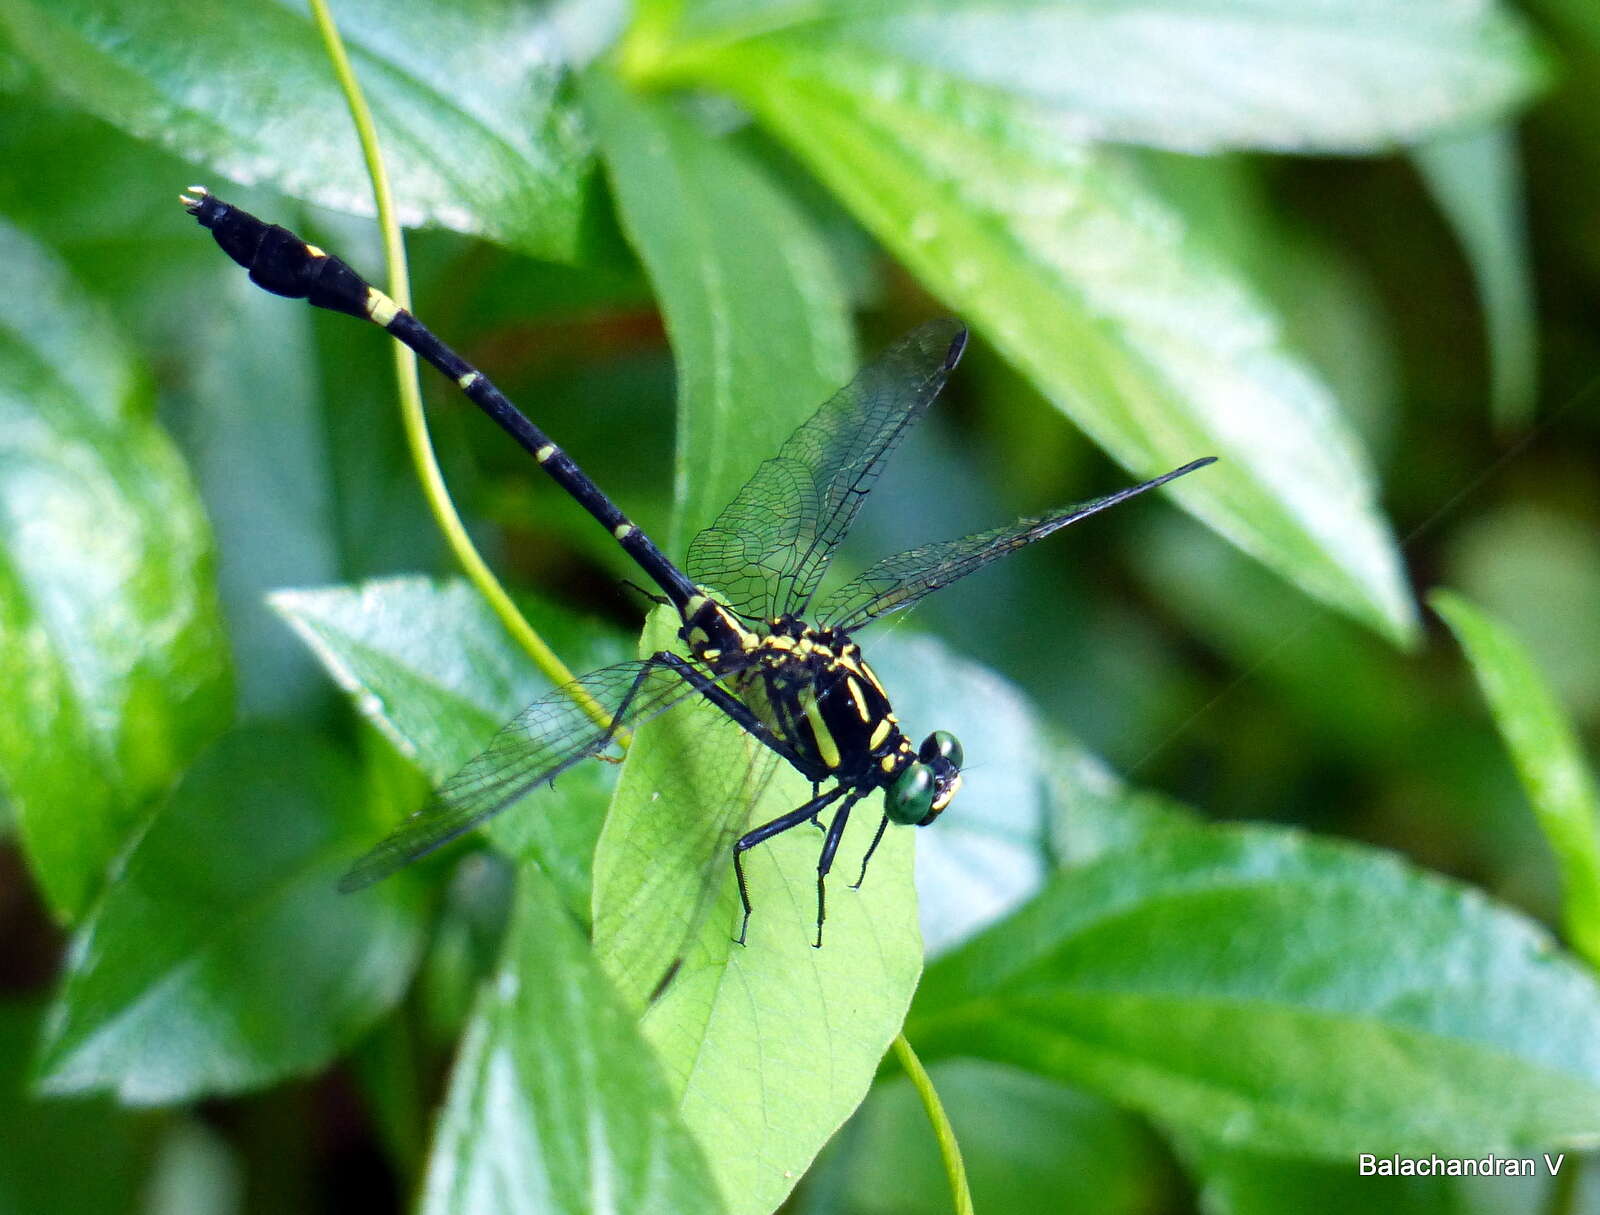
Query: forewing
x=551, y=735
x=768, y=549
x=899, y=581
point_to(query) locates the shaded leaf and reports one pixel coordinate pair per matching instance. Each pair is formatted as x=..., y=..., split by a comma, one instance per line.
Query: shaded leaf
x=1477, y=180
x=1558, y=779
x=556, y=1104
x=770, y=1046
x=757, y=315
x=479, y=134
x=77, y=1155
x=1086, y=281
x=1337, y=76
x=1029, y=1145
x=222, y=959
x=430, y=666
x=111, y=648
x=1283, y=994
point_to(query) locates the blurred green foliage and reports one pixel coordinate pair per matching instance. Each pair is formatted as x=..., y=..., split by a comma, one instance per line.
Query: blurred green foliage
x=1349, y=247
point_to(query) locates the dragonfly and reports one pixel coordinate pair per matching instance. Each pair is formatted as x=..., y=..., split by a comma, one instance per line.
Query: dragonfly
x=763, y=647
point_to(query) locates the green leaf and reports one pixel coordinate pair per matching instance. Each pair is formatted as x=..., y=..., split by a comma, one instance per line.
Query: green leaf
x=1337, y=76
x=222, y=958
x=769, y=1046
x=1085, y=280
x=479, y=132
x=80, y=1155
x=556, y=1103
x=1029, y=1145
x=1558, y=780
x=430, y=666
x=1477, y=181
x=755, y=309
x=111, y=648
x=1286, y=995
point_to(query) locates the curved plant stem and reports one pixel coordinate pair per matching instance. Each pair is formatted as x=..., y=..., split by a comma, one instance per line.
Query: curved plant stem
x=949, y=1150
x=411, y=413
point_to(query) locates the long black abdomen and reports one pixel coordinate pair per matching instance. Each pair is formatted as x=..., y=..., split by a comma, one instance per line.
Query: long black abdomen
x=282, y=263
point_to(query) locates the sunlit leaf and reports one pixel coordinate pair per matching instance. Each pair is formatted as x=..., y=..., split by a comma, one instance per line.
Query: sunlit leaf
x=1336, y=76
x=223, y=958
x=556, y=1103
x=479, y=132
x=1558, y=779
x=111, y=650
x=1090, y=285
x=432, y=668
x=768, y=1046
x=1286, y=995
x=758, y=318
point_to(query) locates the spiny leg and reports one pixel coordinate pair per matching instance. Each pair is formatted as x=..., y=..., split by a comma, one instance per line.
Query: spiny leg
x=728, y=703
x=825, y=861
x=873, y=847
x=766, y=831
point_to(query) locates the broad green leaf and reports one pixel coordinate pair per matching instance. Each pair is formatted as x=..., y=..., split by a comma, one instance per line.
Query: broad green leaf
x=1286, y=995
x=768, y=1046
x=1334, y=76
x=757, y=315
x=1092, y=287
x=76, y=1155
x=431, y=667
x=1029, y=1145
x=222, y=958
x=1549, y=759
x=479, y=133
x=1477, y=180
x=556, y=1103
x=111, y=648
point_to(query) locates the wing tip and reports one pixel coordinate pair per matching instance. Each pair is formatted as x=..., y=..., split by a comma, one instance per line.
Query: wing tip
x=356, y=878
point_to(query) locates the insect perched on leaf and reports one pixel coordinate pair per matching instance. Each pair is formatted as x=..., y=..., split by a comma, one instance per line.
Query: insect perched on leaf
x=777, y=660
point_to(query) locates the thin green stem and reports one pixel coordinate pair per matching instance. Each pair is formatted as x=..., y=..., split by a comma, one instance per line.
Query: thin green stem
x=949, y=1150
x=412, y=417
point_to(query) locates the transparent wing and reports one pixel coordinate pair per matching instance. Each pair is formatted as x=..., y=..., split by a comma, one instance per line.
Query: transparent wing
x=899, y=581
x=544, y=740
x=768, y=549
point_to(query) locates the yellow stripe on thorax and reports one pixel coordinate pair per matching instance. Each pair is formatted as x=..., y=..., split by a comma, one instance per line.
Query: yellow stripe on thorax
x=826, y=746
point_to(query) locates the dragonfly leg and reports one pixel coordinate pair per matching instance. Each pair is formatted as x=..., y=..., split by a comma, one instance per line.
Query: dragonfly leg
x=728, y=703
x=816, y=819
x=876, y=840
x=825, y=861
x=766, y=831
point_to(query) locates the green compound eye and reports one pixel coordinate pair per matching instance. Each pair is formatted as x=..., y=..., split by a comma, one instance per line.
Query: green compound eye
x=941, y=742
x=909, y=799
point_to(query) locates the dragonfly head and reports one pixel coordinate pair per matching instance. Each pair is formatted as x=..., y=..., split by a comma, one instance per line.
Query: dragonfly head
x=924, y=787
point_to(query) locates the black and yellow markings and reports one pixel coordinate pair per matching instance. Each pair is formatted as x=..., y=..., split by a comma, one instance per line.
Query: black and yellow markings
x=804, y=691
x=381, y=310
x=827, y=746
